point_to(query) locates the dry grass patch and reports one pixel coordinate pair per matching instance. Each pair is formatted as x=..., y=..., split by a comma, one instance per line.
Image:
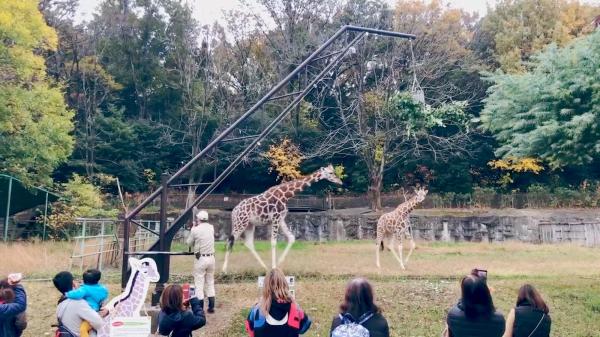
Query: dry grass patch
x=35, y=259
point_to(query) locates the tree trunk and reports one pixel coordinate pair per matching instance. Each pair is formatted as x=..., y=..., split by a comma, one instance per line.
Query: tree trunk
x=374, y=191
x=376, y=182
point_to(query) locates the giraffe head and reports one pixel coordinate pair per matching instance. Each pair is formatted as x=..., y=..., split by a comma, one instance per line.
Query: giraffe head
x=146, y=267
x=328, y=173
x=420, y=194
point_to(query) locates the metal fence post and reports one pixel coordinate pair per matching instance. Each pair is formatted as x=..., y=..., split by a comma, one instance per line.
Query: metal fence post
x=82, y=244
x=101, y=251
x=10, y=179
x=45, y=218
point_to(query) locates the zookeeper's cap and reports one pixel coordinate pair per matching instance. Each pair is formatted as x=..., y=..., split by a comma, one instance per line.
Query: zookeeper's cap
x=202, y=216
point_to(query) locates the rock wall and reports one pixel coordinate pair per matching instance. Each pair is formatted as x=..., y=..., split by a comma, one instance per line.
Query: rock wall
x=433, y=224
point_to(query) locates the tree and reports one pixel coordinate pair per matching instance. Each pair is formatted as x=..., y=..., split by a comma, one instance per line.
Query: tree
x=552, y=111
x=517, y=29
x=35, y=123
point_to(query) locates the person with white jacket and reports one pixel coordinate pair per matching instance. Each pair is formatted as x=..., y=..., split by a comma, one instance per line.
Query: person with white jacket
x=202, y=241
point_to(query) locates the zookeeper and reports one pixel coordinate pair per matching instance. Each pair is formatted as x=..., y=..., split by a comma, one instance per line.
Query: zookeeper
x=202, y=241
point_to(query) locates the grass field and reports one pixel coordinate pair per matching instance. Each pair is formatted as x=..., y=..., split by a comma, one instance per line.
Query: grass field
x=414, y=301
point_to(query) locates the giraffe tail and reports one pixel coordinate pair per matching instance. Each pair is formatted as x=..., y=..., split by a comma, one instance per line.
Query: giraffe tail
x=230, y=242
x=380, y=246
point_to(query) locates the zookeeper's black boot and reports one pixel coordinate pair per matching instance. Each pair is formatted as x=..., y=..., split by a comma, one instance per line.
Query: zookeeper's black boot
x=211, y=305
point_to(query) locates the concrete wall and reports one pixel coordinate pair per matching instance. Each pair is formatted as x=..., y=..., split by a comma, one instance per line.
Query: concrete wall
x=447, y=225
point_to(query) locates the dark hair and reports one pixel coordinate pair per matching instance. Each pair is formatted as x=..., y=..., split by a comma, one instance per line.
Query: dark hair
x=92, y=276
x=4, y=283
x=7, y=294
x=358, y=298
x=528, y=294
x=63, y=281
x=171, y=299
x=476, y=297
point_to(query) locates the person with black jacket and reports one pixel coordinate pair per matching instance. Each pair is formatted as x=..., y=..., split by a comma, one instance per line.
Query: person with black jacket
x=530, y=318
x=359, y=307
x=174, y=319
x=276, y=313
x=474, y=315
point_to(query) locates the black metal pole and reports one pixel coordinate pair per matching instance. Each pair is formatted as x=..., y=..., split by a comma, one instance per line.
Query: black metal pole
x=265, y=98
x=125, y=251
x=182, y=218
x=162, y=243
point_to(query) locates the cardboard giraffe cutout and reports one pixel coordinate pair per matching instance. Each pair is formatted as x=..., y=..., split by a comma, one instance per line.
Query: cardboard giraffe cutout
x=392, y=227
x=267, y=208
x=130, y=302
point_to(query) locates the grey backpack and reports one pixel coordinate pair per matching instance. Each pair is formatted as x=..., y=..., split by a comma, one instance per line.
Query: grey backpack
x=349, y=328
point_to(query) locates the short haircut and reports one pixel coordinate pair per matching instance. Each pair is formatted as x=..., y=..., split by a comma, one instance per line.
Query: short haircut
x=63, y=281
x=92, y=276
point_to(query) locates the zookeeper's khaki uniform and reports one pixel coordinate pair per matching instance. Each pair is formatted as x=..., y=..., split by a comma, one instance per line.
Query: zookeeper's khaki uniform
x=202, y=239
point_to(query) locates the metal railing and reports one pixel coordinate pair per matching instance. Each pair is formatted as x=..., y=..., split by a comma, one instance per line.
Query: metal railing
x=97, y=242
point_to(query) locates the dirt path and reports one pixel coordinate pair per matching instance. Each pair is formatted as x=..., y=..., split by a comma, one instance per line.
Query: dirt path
x=228, y=310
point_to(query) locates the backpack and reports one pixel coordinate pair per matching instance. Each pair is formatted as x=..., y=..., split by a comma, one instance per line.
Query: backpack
x=63, y=331
x=295, y=317
x=349, y=328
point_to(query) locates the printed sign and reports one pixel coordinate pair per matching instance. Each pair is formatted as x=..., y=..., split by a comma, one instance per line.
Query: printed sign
x=291, y=281
x=130, y=327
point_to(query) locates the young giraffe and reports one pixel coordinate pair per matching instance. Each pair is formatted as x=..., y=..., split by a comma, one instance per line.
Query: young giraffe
x=270, y=207
x=394, y=225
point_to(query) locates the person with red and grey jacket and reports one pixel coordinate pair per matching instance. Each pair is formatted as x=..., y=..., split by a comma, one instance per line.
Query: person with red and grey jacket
x=276, y=314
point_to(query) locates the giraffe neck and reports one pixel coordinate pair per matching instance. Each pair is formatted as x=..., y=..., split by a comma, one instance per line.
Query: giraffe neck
x=408, y=205
x=289, y=189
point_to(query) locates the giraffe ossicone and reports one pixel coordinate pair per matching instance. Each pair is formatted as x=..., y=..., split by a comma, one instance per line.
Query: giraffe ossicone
x=270, y=207
x=392, y=227
x=129, y=303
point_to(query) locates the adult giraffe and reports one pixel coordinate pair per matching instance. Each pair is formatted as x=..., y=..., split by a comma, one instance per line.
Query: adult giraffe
x=270, y=207
x=394, y=225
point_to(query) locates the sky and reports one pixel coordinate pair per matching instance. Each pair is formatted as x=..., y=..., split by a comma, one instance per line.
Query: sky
x=207, y=11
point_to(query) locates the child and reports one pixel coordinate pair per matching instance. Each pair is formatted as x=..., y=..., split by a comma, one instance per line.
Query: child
x=92, y=292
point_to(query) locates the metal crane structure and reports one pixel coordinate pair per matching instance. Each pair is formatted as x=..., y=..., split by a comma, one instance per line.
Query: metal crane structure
x=347, y=36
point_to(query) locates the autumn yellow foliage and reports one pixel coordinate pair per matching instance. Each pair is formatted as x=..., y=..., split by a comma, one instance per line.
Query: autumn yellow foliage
x=517, y=165
x=285, y=158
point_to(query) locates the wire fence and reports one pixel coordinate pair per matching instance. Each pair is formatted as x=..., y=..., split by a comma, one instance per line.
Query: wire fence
x=98, y=243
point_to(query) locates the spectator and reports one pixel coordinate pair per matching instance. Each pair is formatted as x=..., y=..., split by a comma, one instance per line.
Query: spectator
x=71, y=313
x=13, y=303
x=359, y=312
x=92, y=292
x=475, y=314
x=530, y=317
x=174, y=319
x=277, y=313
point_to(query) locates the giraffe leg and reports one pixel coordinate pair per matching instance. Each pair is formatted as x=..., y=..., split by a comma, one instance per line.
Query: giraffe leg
x=379, y=241
x=249, y=243
x=234, y=236
x=290, y=240
x=399, y=258
x=274, y=233
x=412, y=245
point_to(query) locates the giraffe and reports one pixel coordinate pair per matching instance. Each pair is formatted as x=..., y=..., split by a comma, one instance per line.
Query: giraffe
x=130, y=301
x=394, y=225
x=270, y=207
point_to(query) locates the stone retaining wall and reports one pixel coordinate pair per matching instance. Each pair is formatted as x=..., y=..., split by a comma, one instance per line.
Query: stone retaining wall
x=446, y=225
